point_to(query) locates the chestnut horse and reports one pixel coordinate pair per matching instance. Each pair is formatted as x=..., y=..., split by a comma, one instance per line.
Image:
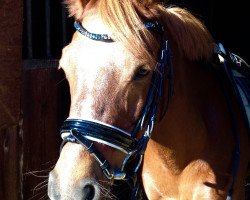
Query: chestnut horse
x=151, y=106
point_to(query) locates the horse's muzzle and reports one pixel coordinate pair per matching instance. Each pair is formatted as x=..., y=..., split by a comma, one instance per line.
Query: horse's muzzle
x=85, y=190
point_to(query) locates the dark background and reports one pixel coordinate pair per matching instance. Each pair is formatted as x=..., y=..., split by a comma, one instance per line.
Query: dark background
x=226, y=20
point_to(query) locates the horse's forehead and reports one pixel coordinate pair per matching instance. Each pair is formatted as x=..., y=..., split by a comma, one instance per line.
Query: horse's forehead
x=86, y=58
x=89, y=59
x=94, y=54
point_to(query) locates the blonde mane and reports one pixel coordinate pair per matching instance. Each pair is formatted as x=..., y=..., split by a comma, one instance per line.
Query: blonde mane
x=126, y=18
x=188, y=34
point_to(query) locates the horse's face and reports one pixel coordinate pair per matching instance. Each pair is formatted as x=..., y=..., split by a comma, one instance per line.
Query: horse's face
x=108, y=84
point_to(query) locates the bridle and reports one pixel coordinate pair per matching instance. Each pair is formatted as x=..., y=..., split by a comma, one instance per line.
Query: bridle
x=86, y=132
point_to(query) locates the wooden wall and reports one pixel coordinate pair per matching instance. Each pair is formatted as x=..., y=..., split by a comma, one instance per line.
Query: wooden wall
x=10, y=83
x=44, y=96
x=34, y=100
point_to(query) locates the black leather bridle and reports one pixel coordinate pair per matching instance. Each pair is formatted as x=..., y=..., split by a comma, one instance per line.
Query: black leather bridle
x=87, y=132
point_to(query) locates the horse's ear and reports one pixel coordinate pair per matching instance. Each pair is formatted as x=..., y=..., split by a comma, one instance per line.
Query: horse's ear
x=76, y=8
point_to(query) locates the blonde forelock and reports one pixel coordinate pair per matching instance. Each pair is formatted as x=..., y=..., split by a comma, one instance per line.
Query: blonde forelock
x=126, y=18
x=127, y=23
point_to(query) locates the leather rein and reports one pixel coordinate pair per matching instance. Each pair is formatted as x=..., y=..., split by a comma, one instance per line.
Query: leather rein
x=86, y=132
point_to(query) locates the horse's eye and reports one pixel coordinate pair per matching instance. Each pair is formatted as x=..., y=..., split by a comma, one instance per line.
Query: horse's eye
x=141, y=72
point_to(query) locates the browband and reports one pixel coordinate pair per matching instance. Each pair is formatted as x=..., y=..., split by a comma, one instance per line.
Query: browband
x=93, y=36
x=106, y=37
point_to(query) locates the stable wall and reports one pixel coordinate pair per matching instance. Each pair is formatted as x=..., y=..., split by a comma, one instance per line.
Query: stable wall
x=10, y=84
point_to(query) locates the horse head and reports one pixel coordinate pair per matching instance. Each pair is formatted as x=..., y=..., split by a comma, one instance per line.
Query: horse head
x=119, y=66
x=108, y=87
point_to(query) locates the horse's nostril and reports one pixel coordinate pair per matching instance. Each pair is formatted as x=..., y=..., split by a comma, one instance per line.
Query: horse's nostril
x=88, y=192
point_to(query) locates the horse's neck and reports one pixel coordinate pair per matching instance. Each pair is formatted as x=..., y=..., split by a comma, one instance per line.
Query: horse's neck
x=197, y=111
x=195, y=142
x=189, y=137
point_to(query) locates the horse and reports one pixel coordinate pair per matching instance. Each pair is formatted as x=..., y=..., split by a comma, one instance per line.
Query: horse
x=151, y=106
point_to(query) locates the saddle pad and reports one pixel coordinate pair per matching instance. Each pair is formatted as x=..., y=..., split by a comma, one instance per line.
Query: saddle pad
x=238, y=71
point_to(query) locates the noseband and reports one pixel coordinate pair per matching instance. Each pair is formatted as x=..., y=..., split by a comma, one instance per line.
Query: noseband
x=87, y=132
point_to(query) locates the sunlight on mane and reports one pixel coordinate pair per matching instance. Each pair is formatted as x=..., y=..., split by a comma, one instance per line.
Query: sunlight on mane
x=185, y=32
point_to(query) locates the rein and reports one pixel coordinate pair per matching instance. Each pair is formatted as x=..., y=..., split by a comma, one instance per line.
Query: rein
x=87, y=132
x=234, y=68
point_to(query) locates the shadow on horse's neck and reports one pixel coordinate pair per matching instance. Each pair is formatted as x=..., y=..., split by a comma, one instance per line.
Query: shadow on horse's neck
x=197, y=116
